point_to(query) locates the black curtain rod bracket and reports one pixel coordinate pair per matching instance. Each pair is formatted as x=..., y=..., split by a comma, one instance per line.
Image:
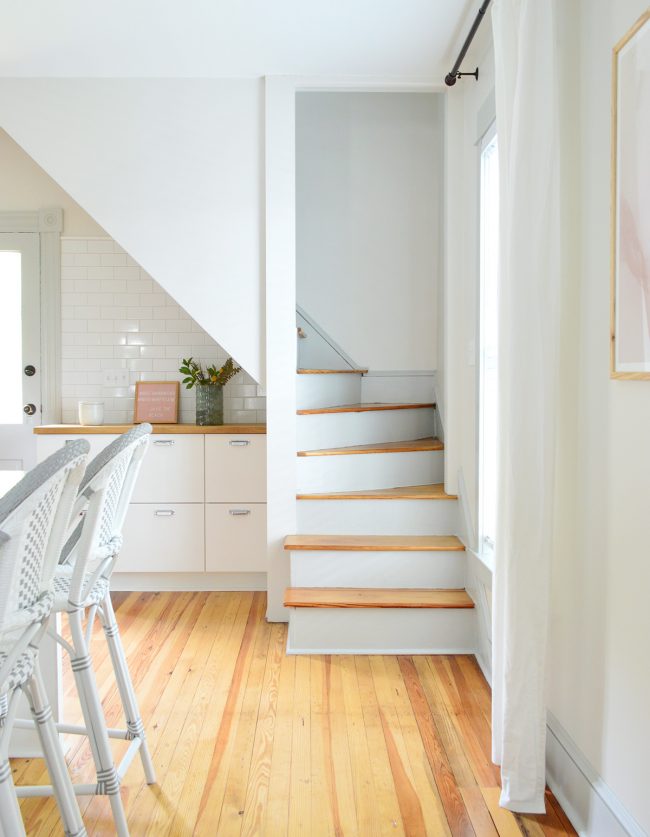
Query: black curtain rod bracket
x=452, y=77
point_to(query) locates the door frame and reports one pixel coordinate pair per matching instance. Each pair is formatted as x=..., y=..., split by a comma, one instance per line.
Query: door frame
x=48, y=223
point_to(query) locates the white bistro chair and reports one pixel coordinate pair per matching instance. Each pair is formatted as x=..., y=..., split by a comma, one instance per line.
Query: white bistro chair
x=82, y=585
x=34, y=520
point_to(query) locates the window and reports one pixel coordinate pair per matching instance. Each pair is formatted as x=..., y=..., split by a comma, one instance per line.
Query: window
x=489, y=329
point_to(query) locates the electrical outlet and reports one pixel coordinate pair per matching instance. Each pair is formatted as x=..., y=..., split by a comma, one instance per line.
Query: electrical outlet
x=116, y=377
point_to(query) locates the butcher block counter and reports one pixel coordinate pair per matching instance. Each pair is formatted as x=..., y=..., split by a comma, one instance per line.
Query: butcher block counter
x=166, y=429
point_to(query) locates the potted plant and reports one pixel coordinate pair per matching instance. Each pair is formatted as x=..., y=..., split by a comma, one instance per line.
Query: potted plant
x=209, y=384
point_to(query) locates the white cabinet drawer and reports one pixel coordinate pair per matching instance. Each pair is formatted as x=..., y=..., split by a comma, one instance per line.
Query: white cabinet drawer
x=45, y=445
x=172, y=470
x=163, y=538
x=235, y=469
x=235, y=537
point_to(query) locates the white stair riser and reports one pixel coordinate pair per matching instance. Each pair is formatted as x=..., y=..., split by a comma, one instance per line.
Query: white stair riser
x=378, y=569
x=327, y=390
x=338, y=430
x=377, y=517
x=359, y=472
x=381, y=631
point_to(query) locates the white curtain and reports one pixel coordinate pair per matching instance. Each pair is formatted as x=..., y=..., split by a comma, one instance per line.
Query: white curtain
x=529, y=280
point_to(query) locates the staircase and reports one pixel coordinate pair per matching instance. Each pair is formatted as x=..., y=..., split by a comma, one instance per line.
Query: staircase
x=376, y=566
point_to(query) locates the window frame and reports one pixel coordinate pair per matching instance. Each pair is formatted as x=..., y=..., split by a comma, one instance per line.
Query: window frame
x=486, y=544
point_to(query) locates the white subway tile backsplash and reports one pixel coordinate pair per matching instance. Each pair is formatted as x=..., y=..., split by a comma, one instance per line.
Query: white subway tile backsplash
x=126, y=351
x=139, y=313
x=165, y=339
x=100, y=326
x=73, y=325
x=87, y=285
x=128, y=299
x=138, y=338
x=100, y=245
x=71, y=272
x=74, y=245
x=140, y=286
x=112, y=286
x=129, y=274
x=125, y=325
x=101, y=274
x=86, y=312
x=118, y=317
x=112, y=339
x=113, y=259
x=101, y=351
x=86, y=259
x=181, y=326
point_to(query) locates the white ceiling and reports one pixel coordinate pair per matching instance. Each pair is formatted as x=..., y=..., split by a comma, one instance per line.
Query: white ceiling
x=415, y=39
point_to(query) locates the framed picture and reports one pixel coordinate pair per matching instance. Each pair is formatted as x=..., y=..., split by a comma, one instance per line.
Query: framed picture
x=156, y=402
x=630, y=257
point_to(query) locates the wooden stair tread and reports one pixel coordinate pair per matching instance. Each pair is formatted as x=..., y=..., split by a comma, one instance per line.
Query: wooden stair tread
x=435, y=491
x=374, y=543
x=332, y=371
x=375, y=597
x=428, y=444
x=362, y=408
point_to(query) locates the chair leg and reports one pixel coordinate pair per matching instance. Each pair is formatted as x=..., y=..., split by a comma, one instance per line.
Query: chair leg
x=11, y=821
x=107, y=778
x=54, y=759
x=125, y=686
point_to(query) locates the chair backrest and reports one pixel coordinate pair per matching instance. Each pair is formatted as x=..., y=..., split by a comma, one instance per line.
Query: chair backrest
x=34, y=520
x=104, y=496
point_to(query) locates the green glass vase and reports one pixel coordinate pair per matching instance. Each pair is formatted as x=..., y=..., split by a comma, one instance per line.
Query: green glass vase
x=209, y=404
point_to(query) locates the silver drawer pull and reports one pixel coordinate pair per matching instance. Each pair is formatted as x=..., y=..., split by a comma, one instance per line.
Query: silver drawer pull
x=238, y=512
x=239, y=443
x=165, y=442
x=164, y=513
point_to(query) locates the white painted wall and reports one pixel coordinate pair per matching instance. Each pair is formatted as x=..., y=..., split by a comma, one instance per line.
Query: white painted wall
x=26, y=187
x=599, y=687
x=172, y=169
x=368, y=204
x=470, y=110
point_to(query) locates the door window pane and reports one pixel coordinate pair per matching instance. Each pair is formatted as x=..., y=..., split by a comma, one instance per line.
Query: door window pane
x=11, y=339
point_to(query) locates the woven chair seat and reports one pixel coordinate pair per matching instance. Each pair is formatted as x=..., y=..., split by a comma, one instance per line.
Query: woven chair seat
x=20, y=672
x=62, y=580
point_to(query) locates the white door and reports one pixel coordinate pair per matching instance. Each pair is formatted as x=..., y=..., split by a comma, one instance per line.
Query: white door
x=20, y=349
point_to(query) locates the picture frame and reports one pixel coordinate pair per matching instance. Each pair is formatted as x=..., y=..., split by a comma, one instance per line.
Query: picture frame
x=630, y=205
x=156, y=402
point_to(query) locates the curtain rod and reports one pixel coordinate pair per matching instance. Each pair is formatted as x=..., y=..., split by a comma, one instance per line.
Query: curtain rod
x=452, y=77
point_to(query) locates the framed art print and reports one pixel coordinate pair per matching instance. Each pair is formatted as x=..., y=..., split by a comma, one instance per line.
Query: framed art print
x=156, y=402
x=630, y=257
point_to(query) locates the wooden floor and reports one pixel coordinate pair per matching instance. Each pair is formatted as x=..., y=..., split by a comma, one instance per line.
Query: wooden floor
x=246, y=740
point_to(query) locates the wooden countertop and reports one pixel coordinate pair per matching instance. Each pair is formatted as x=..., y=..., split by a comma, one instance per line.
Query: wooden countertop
x=166, y=429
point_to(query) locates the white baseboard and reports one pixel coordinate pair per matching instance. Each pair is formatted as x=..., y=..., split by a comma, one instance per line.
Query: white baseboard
x=590, y=804
x=183, y=582
x=435, y=651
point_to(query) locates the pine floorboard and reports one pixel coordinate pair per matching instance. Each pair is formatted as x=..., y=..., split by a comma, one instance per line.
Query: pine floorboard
x=249, y=741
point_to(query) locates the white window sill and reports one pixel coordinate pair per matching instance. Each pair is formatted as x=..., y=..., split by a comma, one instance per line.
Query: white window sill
x=486, y=556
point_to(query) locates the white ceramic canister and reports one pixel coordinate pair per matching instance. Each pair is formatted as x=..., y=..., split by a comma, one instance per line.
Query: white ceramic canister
x=91, y=412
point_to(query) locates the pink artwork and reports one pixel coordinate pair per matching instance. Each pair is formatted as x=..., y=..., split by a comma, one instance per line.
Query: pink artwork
x=156, y=402
x=631, y=204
